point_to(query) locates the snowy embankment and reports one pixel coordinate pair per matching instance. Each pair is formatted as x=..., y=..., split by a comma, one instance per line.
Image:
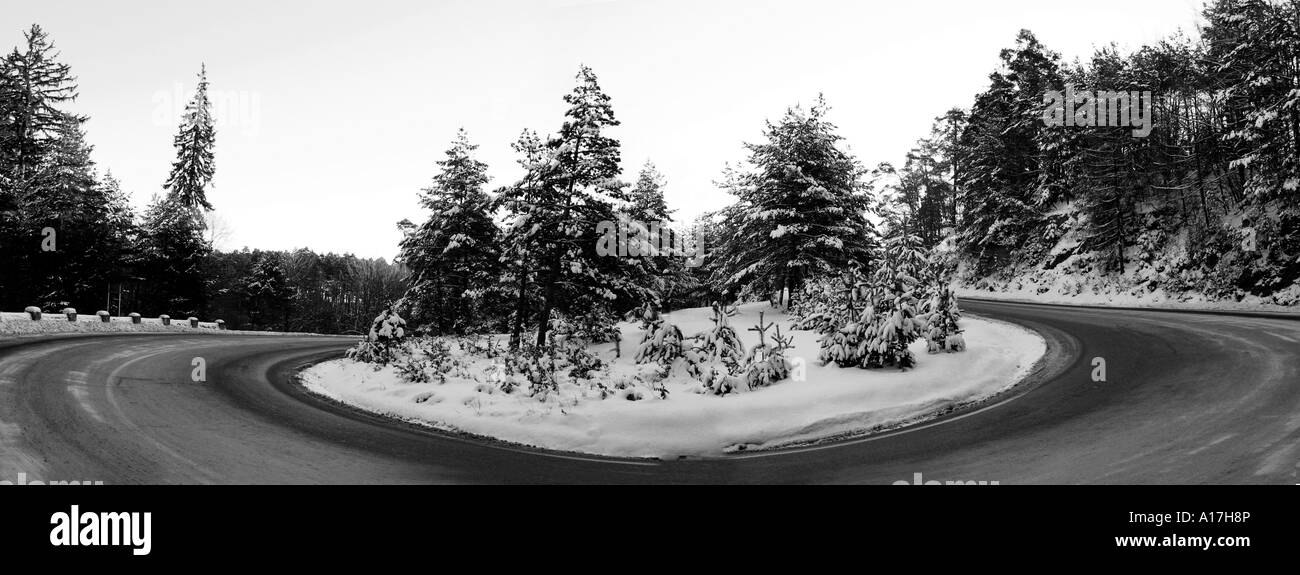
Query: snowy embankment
x=821, y=402
x=20, y=324
x=1163, y=267
x=1063, y=293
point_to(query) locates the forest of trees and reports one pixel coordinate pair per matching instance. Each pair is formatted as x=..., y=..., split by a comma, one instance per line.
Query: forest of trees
x=69, y=236
x=522, y=258
x=1226, y=110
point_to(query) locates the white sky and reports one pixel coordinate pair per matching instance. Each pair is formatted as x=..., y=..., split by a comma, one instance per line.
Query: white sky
x=335, y=111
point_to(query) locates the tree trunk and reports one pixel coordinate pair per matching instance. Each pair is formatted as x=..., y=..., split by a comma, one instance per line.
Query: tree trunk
x=440, y=304
x=553, y=274
x=548, y=304
x=1295, y=134
x=521, y=308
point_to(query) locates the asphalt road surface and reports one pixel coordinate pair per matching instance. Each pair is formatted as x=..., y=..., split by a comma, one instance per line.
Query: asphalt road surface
x=1189, y=398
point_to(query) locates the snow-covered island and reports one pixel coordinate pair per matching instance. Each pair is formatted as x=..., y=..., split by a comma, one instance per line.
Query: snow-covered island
x=621, y=408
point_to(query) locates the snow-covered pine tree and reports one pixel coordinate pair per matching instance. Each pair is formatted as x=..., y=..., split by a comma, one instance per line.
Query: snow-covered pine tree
x=647, y=202
x=942, y=329
x=821, y=301
x=454, y=251
x=633, y=256
x=10, y=97
x=382, y=342
x=268, y=294
x=33, y=84
x=92, y=221
x=765, y=365
x=999, y=156
x=919, y=195
x=1255, y=48
x=878, y=334
x=523, y=229
x=844, y=328
x=193, y=169
x=661, y=342
x=941, y=312
x=687, y=279
x=648, y=220
x=116, y=231
x=715, y=356
x=581, y=189
x=800, y=211
x=174, y=224
x=895, y=325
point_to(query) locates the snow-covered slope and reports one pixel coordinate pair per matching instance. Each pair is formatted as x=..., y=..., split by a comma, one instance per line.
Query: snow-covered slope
x=1249, y=260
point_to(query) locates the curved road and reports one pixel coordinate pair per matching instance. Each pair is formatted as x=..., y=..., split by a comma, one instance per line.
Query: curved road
x=1189, y=398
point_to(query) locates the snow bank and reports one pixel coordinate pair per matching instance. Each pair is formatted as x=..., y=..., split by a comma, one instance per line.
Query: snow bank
x=827, y=402
x=1063, y=290
x=22, y=324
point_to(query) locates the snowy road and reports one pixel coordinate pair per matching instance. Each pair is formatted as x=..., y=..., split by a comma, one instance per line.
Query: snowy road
x=1188, y=398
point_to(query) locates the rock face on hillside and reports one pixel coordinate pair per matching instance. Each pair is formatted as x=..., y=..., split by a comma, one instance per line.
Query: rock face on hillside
x=1249, y=256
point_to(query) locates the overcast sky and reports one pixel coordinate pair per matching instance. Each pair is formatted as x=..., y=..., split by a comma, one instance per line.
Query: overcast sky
x=332, y=113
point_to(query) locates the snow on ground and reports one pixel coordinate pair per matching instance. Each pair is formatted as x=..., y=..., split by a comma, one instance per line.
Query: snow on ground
x=1065, y=290
x=828, y=402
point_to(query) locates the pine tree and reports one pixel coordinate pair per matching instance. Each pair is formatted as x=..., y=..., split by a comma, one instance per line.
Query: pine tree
x=843, y=321
x=65, y=197
x=581, y=190
x=1256, y=46
x=894, y=297
x=764, y=364
x=661, y=342
x=454, y=251
x=32, y=86
x=36, y=83
x=193, y=169
x=923, y=192
x=652, y=240
x=524, y=216
x=268, y=294
x=941, y=313
x=879, y=333
x=647, y=196
x=716, y=356
x=801, y=211
x=174, y=252
x=49, y=181
x=1107, y=167
x=382, y=342
x=116, y=233
x=1000, y=156
x=9, y=108
x=944, y=140
x=821, y=301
